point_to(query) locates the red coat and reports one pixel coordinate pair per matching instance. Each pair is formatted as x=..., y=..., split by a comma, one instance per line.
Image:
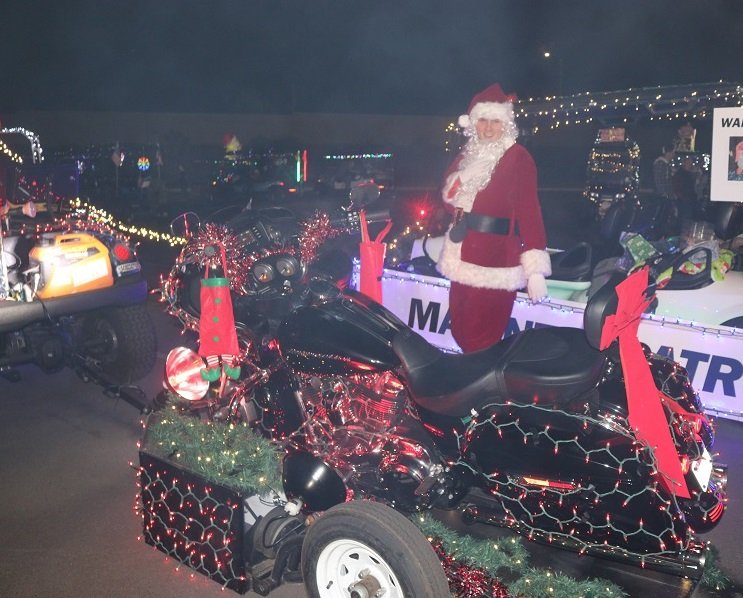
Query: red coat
x=499, y=261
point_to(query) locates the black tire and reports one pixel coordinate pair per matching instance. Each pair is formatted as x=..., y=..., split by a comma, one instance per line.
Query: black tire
x=122, y=341
x=362, y=542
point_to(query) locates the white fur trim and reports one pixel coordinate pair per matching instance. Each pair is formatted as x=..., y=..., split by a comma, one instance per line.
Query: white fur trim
x=450, y=264
x=502, y=111
x=464, y=121
x=536, y=261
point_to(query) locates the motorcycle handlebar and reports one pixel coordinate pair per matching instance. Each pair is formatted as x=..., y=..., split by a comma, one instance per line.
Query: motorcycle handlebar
x=378, y=215
x=352, y=221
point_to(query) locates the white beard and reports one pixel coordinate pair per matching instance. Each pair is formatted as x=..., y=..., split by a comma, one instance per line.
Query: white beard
x=475, y=169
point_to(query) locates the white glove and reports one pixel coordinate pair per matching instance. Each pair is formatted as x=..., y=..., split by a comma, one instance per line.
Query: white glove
x=536, y=287
x=29, y=209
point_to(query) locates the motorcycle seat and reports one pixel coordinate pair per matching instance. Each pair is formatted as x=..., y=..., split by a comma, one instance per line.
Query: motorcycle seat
x=552, y=366
x=542, y=365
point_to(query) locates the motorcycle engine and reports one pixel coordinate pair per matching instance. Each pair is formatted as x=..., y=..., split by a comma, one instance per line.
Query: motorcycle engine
x=375, y=400
x=366, y=432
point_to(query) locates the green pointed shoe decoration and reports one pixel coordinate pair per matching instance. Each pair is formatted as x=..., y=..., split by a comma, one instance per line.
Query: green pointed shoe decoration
x=232, y=373
x=210, y=374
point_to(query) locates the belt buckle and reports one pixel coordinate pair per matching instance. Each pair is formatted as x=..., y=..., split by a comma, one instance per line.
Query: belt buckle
x=458, y=215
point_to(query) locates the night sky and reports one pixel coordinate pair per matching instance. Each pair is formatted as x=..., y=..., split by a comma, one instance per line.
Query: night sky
x=384, y=57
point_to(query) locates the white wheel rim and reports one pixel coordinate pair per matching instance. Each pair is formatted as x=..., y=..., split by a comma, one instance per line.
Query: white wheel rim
x=344, y=562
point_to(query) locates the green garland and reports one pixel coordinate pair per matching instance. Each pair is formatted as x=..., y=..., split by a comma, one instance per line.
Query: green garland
x=507, y=558
x=712, y=577
x=227, y=454
x=503, y=553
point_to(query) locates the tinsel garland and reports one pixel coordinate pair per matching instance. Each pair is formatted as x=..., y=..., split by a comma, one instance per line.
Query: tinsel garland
x=466, y=581
x=313, y=232
x=228, y=454
x=500, y=568
x=213, y=235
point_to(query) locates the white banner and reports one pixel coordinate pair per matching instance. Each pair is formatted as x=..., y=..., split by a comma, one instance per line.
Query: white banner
x=726, y=178
x=713, y=355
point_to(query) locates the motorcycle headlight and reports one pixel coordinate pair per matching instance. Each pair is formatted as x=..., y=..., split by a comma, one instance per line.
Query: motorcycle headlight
x=263, y=273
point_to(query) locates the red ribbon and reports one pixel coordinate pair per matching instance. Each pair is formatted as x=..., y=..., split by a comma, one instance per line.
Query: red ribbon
x=646, y=414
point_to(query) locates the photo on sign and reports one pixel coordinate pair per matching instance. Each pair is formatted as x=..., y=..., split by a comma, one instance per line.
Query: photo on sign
x=727, y=155
x=735, y=159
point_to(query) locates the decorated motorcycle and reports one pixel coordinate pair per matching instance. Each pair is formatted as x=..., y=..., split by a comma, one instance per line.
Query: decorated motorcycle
x=578, y=438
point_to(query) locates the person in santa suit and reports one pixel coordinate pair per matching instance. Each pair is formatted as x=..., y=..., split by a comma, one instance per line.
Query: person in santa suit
x=496, y=242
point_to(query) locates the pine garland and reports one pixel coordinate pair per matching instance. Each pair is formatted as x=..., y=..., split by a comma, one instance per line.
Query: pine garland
x=506, y=559
x=227, y=454
x=713, y=578
x=507, y=553
x=537, y=583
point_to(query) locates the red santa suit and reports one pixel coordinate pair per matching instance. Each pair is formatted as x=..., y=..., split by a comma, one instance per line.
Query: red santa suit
x=496, y=244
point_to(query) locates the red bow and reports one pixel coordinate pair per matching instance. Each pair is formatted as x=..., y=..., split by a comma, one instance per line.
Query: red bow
x=646, y=414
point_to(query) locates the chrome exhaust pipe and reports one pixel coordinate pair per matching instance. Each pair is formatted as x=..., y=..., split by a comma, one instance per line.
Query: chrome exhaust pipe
x=720, y=475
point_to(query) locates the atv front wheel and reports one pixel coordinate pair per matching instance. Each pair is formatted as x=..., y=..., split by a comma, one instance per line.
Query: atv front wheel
x=363, y=548
x=121, y=340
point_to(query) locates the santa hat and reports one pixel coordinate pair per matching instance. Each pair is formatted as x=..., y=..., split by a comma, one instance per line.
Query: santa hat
x=491, y=103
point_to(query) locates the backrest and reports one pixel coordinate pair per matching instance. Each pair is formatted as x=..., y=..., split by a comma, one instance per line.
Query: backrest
x=573, y=264
x=601, y=304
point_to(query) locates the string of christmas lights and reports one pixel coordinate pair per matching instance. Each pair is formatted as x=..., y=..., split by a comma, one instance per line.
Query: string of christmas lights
x=655, y=103
x=382, y=156
x=592, y=519
x=37, y=153
x=9, y=153
x=94, y=214
x=662, y=102
x=75, y=220
x=192, y=523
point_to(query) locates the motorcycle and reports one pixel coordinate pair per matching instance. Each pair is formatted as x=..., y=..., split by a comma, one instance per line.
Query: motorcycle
x=582, y=439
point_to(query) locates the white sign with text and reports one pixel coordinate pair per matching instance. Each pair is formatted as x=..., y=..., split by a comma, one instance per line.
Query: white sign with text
x=713, y=355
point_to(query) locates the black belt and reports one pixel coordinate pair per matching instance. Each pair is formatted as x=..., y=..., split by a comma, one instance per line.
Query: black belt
x=483, y=224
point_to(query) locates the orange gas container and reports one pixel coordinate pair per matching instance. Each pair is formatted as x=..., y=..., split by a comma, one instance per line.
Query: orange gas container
x=70, y=263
